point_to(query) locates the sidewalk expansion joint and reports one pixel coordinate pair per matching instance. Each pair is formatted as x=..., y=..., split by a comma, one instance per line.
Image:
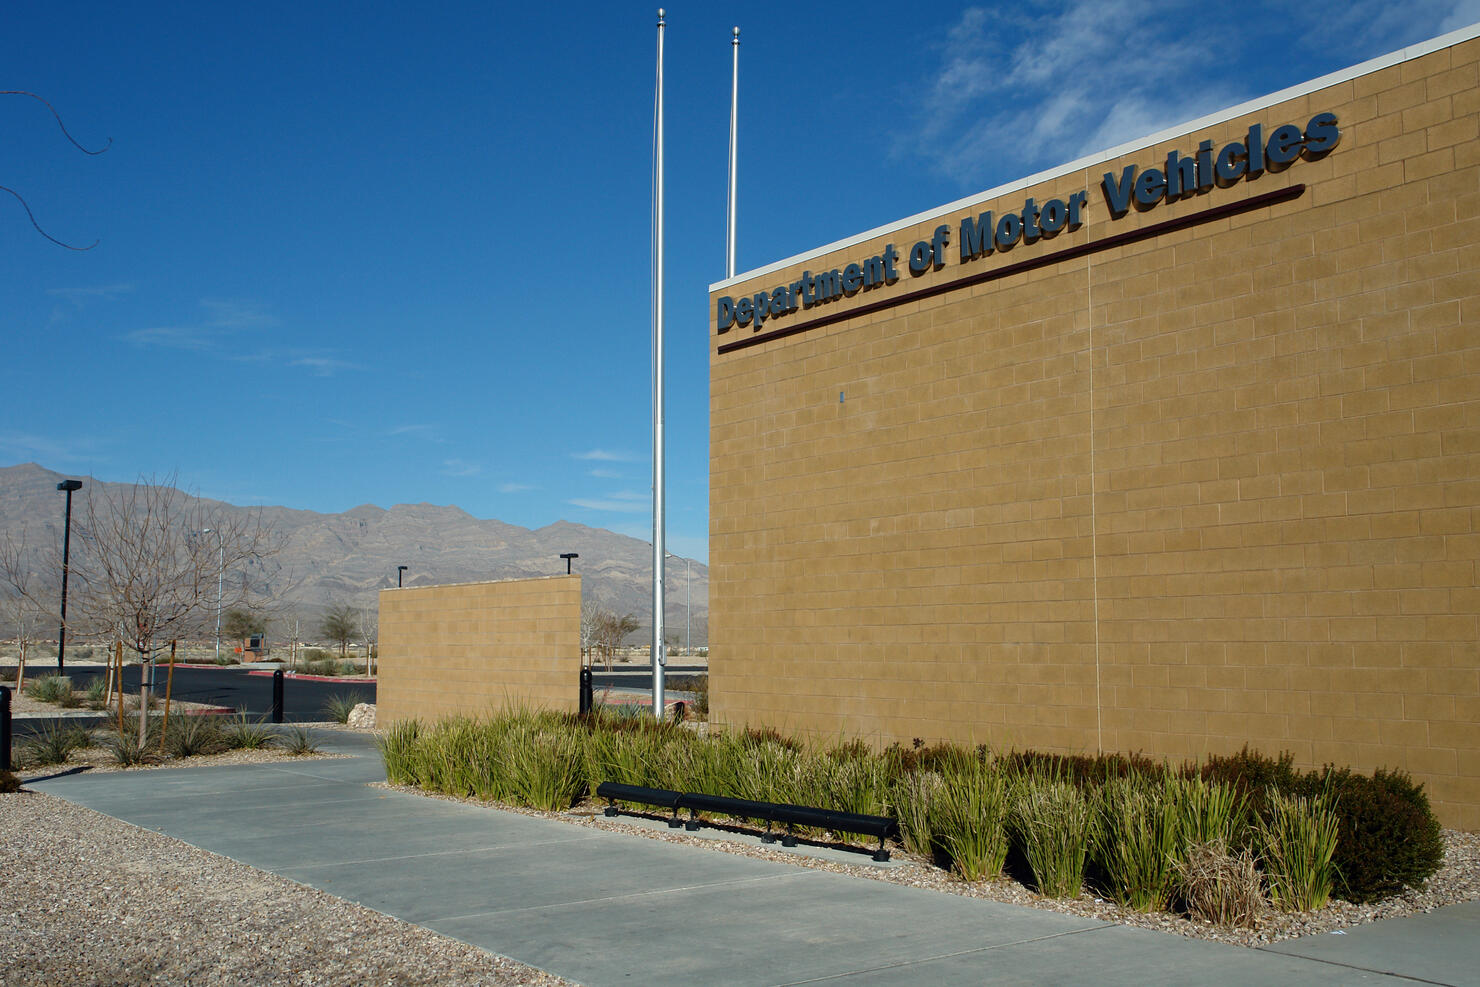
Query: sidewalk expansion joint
x=1408, y=977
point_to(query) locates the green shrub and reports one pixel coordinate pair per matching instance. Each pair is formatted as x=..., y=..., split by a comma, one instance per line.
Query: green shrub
x=698, y=688
x=54, y=742
x=240, y=733
x=192, y=736
x=299, y=742
x=1054, y=824
x=1387, y=835
x=1138, y=839
x=50, y=689
x=1298, y=839
x=970, y=817
x=339, y=705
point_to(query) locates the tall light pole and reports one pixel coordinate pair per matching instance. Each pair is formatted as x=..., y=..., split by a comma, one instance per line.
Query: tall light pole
x=69, y=486
x=399, y=569
x=567, y=556
x=658, y=658
x=220, y=575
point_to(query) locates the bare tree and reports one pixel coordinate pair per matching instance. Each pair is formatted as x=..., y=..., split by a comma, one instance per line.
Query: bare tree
x=369, y=627
x=149, y=572
x=609, y=631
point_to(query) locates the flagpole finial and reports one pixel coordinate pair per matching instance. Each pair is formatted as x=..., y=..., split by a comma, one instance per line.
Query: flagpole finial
x=737, y=36
x=660, y=16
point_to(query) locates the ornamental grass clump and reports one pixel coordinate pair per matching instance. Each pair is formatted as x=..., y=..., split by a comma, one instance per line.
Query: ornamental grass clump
x=1054, y=823
x=51, y=689
x=1298, y=840
x=1213, y=812
x=546, y=768
x=339, y=705
x=1138, y=839
x=192, y=736
x=969, y=823
x=53, y=742
x=400, y=751
x=299, y=742
x=1220, y=886
x=242, y=734
x=912, y=797
x=96, y=695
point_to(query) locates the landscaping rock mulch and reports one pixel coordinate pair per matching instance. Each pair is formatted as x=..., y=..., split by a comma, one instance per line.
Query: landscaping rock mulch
x=88, y=899
x=1457, y=880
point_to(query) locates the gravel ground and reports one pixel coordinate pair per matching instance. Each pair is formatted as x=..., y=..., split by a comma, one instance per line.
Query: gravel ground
x=87, y=899
x=1456, y=881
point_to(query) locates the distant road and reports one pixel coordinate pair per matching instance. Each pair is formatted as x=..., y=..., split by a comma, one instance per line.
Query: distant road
x=231, y=687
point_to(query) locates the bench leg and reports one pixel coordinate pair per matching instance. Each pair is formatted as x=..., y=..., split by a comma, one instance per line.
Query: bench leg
x=673, y=821
x=692, y=826
x=768, y=836
x=881, y=855
x=611, y=810
x=789, y=838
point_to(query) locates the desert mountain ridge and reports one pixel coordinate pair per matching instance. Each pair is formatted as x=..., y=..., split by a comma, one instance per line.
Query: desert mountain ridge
x=351, y=556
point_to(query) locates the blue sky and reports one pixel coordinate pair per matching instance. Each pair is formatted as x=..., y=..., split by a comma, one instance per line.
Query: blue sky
x=394, y=253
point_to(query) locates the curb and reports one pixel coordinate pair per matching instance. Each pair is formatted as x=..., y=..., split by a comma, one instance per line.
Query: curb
x=79, y=714
x=318, y=678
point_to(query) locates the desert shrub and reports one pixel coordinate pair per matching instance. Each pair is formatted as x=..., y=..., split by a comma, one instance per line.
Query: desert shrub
x=126, y=748
x=96, y=695
x=50, y=689
x=1252, y=774
x=191, y=736
x=1138, y=839
x=969, y=823
x=339, y=705
x=241, y=733
x=298, y=741
x=399, y=751
x=9, y=673
x=54, y=742
x=912, y=797
x=1054, y=824
x=1298, y=840
x=1220, y=886
x=1081, y=769
x=8, y=782
x=1387, y=834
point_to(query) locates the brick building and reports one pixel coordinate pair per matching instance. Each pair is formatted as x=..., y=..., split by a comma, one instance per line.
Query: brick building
x=1174, y=448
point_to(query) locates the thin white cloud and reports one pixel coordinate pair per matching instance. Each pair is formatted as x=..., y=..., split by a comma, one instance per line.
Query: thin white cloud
x=460, y=467
x=1022, y=87
x=174, y=338
x=23, y=446
x=229, y=313
x=618, y=506
x=606, y=456
x=602, y=474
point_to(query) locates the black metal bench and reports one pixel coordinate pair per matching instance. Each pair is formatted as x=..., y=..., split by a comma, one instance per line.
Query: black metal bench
x=768, y=812
x=614, y=792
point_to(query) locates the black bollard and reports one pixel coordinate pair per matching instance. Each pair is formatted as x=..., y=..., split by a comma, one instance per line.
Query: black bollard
x=4, y=728
x=586, y=699
x=277, y=696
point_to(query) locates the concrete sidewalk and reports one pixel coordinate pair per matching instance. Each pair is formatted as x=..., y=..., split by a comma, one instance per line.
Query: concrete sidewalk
x=608, y=908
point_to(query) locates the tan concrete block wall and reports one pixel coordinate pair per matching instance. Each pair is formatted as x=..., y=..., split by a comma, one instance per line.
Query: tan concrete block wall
x=472, y=648
x=1214, y=488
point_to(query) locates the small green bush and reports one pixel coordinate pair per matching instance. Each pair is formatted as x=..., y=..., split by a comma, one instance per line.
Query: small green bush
x=1387, y=836
x=50, y=688
x=54, y=742
x=192, y=736
x=339, y=705
x=1298, y=840
x=241, y=733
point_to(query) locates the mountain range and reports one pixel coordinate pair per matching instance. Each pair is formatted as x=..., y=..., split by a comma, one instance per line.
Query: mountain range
x=348, y=558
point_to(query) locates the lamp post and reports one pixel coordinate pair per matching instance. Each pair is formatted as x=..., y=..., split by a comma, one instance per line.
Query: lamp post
x=68, y=486
x=220, y=574
x=399, y=569
x=567, y=556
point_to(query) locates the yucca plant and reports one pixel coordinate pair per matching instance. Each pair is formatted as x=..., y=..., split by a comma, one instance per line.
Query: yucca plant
x=1298, y=840
x=191, y=736
x=126, y=747
x=1138, y=839
x=339, y=705
x=298, y=741
x=241, y=733
x=96, y=695
x=50, y=689
x=1054, y=823
x=970, y=817
x=53, y=742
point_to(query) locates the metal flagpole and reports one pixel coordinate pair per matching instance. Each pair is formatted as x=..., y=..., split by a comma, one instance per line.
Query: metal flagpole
x=659, y=659
x=734, y=142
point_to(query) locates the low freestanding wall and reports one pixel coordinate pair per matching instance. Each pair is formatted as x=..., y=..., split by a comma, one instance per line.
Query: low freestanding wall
x=474, y=647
